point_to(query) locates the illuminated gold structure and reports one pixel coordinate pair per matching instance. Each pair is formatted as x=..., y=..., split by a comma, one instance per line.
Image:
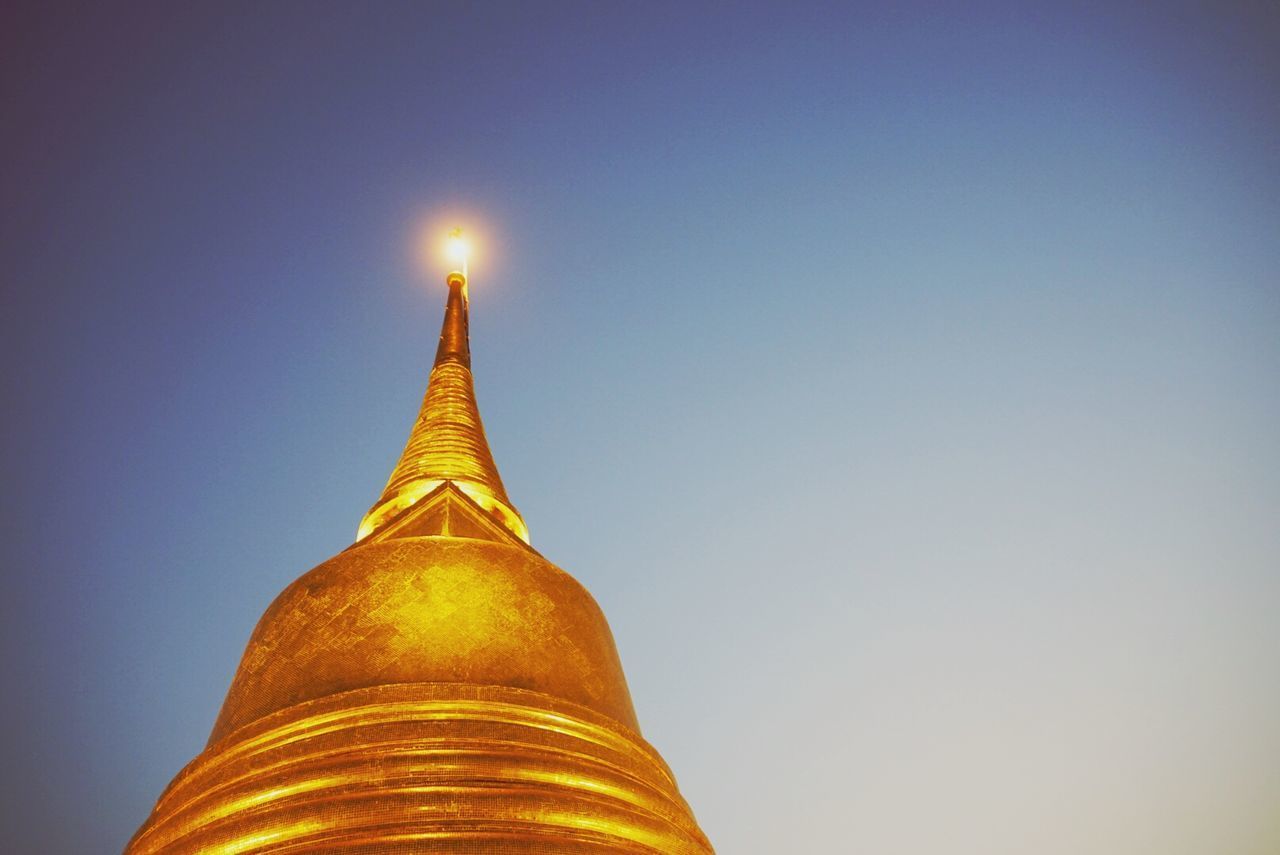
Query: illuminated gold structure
x=436, y=687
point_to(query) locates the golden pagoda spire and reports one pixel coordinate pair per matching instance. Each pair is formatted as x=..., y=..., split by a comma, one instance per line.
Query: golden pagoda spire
x=447, y=443
x=439, y=686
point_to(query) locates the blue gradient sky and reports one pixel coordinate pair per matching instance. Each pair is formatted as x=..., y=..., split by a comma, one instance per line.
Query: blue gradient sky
x=902, y=380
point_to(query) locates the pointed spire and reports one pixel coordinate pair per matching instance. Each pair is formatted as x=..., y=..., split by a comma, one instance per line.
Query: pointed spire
x=455, y=337
x=447, y=443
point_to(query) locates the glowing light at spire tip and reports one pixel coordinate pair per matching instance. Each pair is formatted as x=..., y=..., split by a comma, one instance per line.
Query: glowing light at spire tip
x=459, y=250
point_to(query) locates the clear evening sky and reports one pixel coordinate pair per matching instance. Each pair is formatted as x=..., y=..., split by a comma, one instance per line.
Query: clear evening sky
x=904, y=382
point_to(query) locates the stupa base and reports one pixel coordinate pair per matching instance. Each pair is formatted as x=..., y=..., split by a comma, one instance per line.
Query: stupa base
x=425, y=767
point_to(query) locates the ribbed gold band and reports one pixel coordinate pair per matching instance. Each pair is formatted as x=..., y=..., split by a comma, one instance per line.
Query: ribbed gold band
x=438, y=767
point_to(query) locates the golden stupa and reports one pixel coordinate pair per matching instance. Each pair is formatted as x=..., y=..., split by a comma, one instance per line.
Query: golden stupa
x=438, y=686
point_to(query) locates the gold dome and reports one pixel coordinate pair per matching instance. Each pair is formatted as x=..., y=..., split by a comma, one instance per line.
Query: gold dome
x=437, y=687
x=424, y=609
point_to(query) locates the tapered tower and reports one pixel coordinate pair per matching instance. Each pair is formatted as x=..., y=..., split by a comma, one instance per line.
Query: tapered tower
x=438, y=686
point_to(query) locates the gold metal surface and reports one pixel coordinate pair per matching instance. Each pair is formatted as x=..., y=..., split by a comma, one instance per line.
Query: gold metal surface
x=429, y=609
x=425, y=767
x=437, y=687
x=447, y=442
